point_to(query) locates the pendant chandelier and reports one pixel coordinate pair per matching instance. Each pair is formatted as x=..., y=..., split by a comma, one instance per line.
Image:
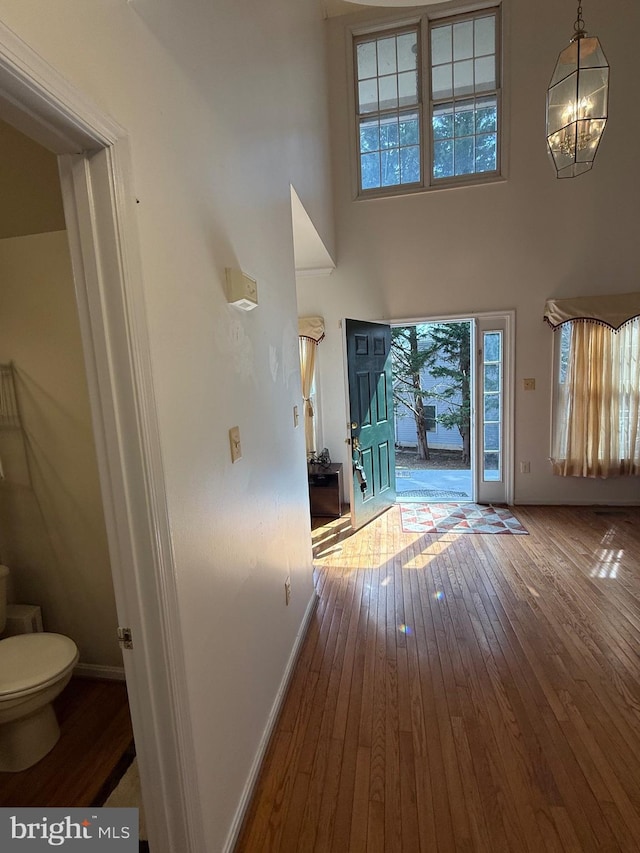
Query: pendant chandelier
x=577, y=103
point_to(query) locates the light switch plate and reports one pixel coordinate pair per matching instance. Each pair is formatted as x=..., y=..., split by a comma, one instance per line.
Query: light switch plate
x=529, y=384
x=234, y=443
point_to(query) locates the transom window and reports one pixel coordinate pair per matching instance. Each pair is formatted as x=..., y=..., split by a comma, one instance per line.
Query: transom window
x=432, y=122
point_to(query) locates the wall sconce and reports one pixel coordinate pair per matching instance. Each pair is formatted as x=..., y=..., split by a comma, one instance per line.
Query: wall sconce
x=242, y=290
x=577, y=103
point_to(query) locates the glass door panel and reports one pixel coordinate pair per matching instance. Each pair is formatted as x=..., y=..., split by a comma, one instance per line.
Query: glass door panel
x=492, y=349
x=493, y=430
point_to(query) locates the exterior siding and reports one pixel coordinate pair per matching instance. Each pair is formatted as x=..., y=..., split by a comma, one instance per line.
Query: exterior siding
x=441, y=438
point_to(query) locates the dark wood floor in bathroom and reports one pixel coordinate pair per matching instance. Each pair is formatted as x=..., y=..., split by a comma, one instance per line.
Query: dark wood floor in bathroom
x=95, y=735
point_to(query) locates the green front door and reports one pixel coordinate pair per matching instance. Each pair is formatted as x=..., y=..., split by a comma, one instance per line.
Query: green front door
x=371, y=419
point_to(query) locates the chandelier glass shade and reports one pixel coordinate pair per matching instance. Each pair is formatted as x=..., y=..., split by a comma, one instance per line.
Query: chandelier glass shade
x=577, y=104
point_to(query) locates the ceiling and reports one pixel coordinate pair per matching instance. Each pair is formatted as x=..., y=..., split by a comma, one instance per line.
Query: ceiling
x=344, y=7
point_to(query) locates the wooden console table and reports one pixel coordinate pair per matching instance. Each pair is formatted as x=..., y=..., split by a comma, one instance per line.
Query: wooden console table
x=325, y=490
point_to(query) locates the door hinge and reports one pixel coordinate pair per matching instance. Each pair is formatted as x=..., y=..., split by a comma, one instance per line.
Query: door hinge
x=125, y=638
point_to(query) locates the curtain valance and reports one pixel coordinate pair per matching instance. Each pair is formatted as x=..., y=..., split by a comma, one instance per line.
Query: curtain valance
x=612, y=310
x=311, y=327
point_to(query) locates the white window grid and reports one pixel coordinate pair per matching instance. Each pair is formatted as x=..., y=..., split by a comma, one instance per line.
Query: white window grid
x=427, y=180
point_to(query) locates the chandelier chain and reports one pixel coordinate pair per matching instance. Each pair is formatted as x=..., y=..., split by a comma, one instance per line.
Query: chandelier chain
x=578, y=27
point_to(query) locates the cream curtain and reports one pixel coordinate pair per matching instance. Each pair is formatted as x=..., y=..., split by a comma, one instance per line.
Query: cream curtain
x=597, y=414
x=311, y=332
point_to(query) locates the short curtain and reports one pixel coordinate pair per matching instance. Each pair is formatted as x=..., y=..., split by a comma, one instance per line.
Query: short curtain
x=307, y=369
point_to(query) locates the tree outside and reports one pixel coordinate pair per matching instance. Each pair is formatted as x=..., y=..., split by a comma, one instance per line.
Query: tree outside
x=465, y=137
x=465, y=141
x=441, y=352
x=409, y=359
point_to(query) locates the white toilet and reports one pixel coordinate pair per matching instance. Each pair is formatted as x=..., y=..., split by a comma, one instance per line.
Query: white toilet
x=34, y=669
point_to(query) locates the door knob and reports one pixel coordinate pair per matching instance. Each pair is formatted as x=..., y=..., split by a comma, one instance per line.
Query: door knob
x=354, y=425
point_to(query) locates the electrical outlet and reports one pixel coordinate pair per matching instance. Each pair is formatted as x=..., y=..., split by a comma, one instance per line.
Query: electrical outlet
x=234, y=443
x=287, y=590
x=529, y=384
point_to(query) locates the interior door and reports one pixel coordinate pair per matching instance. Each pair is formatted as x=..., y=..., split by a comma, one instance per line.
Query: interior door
x=494, y=468
x=371, y=426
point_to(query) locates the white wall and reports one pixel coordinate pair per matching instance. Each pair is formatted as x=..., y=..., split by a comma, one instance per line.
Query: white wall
x=31, y=201
x=52, y=531
x=225, y=106
x=508, y=245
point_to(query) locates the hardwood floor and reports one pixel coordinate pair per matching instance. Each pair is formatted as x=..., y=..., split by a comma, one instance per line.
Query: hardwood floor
x=464, y=693
x=95, y=736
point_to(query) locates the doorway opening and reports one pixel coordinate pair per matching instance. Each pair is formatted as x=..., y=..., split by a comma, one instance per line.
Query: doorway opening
x=60, y=569
x=461, y=368
x=370, y=404
x=433, y=390
x=95, y=176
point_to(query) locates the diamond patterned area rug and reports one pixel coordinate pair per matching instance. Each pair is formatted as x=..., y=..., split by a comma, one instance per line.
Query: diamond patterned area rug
x=458, y=518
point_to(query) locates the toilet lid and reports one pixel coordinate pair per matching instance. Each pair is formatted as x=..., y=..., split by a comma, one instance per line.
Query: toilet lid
x=28, y=660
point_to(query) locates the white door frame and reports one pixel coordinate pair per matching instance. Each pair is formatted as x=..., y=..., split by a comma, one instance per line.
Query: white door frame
x=508, y=317
x=99, y=209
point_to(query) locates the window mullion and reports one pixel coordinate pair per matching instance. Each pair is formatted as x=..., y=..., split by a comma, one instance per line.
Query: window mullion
x=389, y=113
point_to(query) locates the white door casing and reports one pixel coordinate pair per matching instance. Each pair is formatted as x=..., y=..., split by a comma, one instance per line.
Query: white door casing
x=96, y=180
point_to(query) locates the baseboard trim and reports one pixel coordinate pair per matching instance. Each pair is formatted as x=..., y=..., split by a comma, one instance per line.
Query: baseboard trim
x=247, y=793
x=632, y=504
x=95, y=670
